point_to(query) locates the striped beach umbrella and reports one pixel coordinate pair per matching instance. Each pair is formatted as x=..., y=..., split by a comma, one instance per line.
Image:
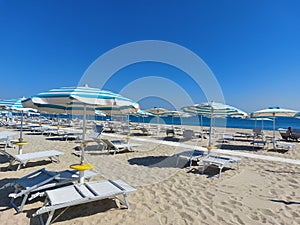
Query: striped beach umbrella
x=80, y=101
x=16, y=105
x=273, y=112
x=175, y=114
x=214, y=110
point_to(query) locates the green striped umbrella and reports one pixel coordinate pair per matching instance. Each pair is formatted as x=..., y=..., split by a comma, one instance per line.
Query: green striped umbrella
x=80, y=101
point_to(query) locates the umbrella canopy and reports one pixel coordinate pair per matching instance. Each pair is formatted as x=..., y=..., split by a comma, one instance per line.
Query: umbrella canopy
x=80, y=101
x=273, y=112
x=176, y=114
x=74, y=99
x=157, y=110
x=214, y=110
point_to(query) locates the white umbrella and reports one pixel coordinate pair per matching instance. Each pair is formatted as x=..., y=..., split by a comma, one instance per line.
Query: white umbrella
x=157, y=111
x=214, y=110
x=175, y=114
x=273, y=112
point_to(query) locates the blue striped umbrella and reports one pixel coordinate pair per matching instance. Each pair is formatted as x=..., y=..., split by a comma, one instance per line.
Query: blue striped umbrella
x=16, y=105
x=80, y=101
x=214, y=110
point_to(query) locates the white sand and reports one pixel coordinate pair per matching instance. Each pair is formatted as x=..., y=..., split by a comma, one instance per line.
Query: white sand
x=259, y=192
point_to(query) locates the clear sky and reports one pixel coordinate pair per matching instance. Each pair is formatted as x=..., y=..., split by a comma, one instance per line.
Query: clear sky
x=252, y=47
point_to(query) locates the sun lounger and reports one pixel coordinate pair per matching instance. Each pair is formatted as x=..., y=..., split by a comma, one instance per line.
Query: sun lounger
x=118, y=145
x=22, y=159
x=83, y=193
x=284, y=145
x=34, y=184
x=191, y=155
x=218, y=162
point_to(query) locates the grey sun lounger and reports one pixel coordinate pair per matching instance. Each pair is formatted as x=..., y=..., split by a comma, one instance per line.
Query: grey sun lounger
x=219, y=161
x=22, y=159
x=83, y=193
x=118, y=145
x=34, y=184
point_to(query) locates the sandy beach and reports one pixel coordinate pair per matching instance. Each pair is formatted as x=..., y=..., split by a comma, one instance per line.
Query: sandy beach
x=258, y=192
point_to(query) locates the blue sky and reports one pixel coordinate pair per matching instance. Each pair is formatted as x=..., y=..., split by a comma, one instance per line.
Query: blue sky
x=252, y=47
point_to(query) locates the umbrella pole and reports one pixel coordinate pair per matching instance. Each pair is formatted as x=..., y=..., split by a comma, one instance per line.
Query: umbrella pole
x=210, y=131
x=83, y=134
x=274, y=131
x=21, y=134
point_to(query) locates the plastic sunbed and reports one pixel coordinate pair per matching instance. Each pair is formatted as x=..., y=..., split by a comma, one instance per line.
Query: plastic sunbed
x=219, y=162
x=34, y=184
x=83, y=193
x=118, y=145
x=191, y=155
x=22, y=159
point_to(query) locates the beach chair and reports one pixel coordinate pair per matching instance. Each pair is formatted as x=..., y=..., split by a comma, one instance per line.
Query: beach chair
x=34, y=184
x=118, y=145
x=191, y=155
x=295, y=134
x=284, y=145
x=83, y=193
x=22, y=159
x=145, y=130
x=219, y=162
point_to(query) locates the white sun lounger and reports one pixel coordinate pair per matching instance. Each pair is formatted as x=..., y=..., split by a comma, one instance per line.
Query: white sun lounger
x=219, y=162
x=118, y=145
x=22, y=159
x=83, y=193
x=284, y=145
x=191, y=155
x=34, y=184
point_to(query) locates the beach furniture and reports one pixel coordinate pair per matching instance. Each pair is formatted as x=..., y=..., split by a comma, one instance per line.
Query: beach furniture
x=118, y=145
x=219, y=162
x=191, y=155
x=283, y=133
x=295, y=134
x=22, y=159
x=284, y=145
x=145, y=130
x=34, y=184
x=82, y=193
x=6, y=134
x=92, y=135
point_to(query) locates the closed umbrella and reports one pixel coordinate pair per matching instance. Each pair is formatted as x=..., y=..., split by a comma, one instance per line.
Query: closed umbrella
x=80, y=101
x=214, y=110
x=273, y=112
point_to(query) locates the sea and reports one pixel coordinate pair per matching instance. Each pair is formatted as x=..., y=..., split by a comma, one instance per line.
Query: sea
x=266, y=124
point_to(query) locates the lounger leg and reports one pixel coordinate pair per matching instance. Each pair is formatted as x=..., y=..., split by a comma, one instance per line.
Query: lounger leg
x=49, y=217
x=125, y=202
x=220, y=172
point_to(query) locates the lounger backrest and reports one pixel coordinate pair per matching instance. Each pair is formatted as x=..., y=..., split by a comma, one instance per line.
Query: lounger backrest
x=96, y=131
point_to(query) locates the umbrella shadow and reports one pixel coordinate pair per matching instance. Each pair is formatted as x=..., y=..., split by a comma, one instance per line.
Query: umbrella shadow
x=156, y=161
x=285, y=202
x=239, y=147
x=4, y=200
x=209, y=171
x=282, y=151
